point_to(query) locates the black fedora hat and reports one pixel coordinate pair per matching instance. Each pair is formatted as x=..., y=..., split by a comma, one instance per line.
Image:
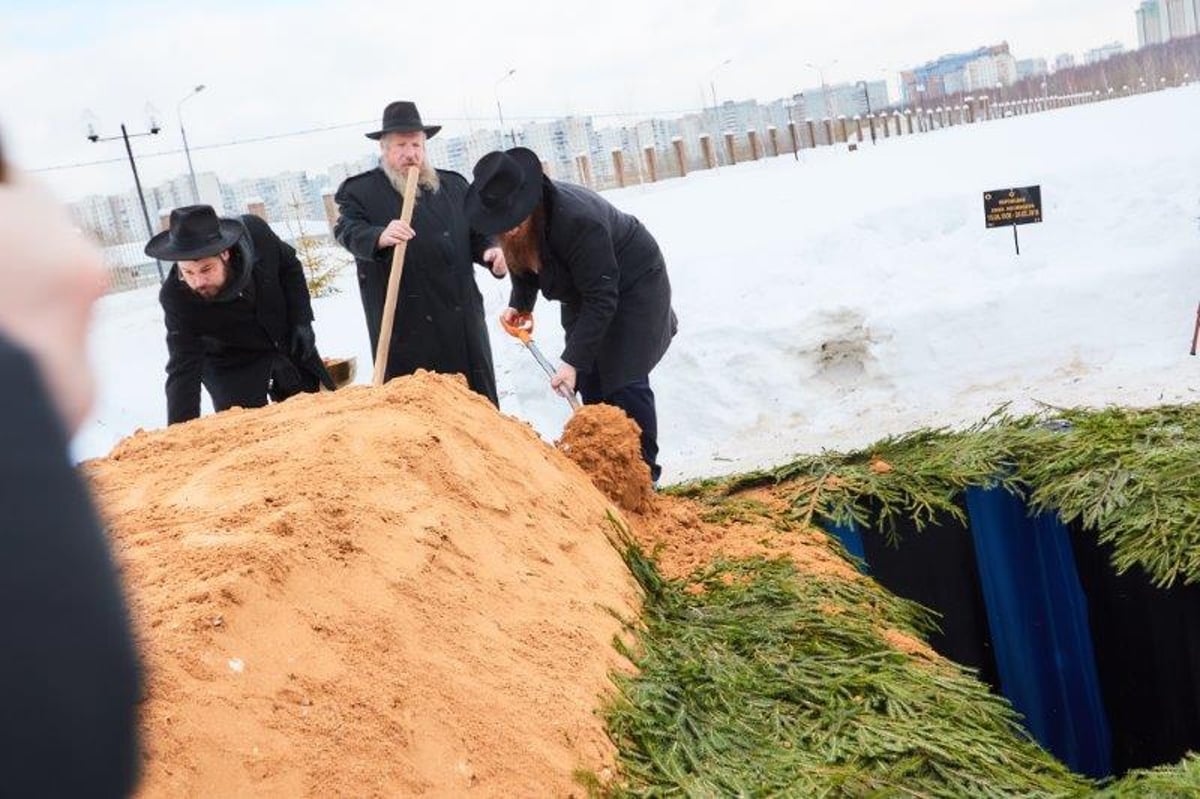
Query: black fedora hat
x=196, y=232
x=402, y=116
x=505, y=191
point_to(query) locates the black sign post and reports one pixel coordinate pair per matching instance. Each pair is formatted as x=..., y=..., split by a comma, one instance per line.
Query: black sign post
x=1004, y=207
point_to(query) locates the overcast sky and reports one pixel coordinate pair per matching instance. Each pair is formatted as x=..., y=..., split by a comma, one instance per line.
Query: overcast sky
x=273, y=67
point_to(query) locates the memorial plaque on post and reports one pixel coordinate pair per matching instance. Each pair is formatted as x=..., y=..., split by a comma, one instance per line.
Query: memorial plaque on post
x=1012, y=207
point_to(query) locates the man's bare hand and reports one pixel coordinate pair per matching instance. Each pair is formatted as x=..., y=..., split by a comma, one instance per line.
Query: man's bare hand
x=394, y=233
x=494, y=257
x=563, y=381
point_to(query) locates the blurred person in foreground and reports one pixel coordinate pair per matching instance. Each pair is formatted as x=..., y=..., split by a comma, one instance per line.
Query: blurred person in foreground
x=600, y=263
x=67, y=661
x=439, y=322
x=238, y=314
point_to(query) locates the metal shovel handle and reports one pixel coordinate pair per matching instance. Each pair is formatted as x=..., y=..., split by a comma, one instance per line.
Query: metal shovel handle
x=521, y=327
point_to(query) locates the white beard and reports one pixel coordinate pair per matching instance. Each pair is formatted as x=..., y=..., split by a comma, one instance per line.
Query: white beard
x=427, y=178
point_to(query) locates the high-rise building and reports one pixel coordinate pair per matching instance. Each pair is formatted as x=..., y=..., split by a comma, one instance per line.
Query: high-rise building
x=1031, y=67
x=1149, y=23
x=777, y=112
x=95, y=216
x=127, y=211
x=656, y=133
x=1103, y=53
x=1160, y=21
x=284, y=196
x=954, y=73
x=1180, y=18
x=607, y=140
x=693, y=126
x=988, y=72
x=559, y=142
x=337, y=173
x=842, y=100
x=450, y=152
x=1064, y=61
x=739, y=116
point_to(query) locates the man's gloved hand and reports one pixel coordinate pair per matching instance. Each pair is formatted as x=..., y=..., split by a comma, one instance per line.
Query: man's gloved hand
x=304, y=342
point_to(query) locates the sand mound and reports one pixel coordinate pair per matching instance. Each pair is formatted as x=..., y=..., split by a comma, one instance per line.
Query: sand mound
x=390, y=591
x=606, y=444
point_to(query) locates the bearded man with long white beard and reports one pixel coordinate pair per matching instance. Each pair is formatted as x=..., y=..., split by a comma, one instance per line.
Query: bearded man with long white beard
x=439, y=322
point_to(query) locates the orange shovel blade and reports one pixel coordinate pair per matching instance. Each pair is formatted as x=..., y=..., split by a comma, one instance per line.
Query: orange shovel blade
x=521, y=327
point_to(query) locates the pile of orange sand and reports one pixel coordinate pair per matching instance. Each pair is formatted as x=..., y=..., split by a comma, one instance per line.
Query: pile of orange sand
x=605, y=443
x=377, y=592
x=394, y=591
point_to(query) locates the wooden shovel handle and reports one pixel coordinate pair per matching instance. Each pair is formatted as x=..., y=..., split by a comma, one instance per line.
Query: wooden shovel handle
x=393, y=289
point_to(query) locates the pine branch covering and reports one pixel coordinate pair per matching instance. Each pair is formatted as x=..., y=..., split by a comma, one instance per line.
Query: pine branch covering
x=1132, y=477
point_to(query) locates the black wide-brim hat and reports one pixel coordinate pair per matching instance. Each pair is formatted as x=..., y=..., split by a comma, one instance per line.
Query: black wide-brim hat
x=195, y=232
x=402, y=116
x=506, y=189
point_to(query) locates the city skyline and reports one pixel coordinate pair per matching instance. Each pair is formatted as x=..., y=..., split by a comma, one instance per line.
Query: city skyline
x=615, y=64
x=578, y=149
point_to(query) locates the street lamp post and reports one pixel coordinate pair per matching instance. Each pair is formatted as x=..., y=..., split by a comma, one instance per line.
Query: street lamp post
x=712, y=80
x=93, y=137
x=716, y=113
x=186, y=151
x=500, y=113
x=870, y=122
x=824, y=86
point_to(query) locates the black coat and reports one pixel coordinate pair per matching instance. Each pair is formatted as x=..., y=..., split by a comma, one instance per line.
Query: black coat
x=609, y=274
x=69, y=723
x=439, y=322
x=239, y=342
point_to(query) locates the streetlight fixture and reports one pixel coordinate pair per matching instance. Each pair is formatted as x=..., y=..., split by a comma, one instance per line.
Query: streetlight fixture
x=716, y=113
x=182, y=132
x=824, y=86
x=500, y=113
x=712, y=80
x=94, y=137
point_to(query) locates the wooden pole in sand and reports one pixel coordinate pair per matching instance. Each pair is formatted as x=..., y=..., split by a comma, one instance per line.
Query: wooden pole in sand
x=393, y=289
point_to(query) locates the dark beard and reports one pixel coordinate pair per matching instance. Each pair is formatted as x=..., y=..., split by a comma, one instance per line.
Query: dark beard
x=233, y=268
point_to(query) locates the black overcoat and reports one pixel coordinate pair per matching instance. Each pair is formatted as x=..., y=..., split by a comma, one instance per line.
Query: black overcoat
x=237, y=342
x=69, y=725
x=439, y=322
x=609, y=274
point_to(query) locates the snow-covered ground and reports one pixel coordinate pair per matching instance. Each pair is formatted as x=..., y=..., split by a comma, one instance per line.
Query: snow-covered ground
x=828, y=302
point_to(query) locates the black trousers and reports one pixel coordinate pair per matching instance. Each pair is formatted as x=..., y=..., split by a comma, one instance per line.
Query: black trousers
x=249, y=385
x=637, y=400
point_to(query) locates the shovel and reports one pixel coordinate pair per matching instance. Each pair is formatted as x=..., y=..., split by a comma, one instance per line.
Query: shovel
x=393, y=286
x=522, y=328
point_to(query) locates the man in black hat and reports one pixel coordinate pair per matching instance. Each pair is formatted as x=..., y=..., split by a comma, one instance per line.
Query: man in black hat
x=601, y=264
x=238, y=314
x=439, y=322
